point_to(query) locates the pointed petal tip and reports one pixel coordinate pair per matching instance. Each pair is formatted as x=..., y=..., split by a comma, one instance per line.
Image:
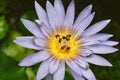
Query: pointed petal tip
x=107, y=21
x=20, y=64
x=48, y=1
x=90, y=6
x=116, y=50
x=23, y=19
x=93, y=13
x=36, y=3
x=111, y=35
x=117, y=43
x=14, y=41
x=110, y=65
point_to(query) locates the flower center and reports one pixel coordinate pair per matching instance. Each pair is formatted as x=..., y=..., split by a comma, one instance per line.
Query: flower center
x=62, y=44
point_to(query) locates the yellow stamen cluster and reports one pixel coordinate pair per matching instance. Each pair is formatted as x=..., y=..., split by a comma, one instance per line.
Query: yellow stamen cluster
x=62, y=44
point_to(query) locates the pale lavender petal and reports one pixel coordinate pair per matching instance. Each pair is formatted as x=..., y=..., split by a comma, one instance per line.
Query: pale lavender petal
x=84, y=13
x=86, y=52
x=27, y=42
x=99, y=36
x=96, y=27
x=49, y=77
x=82, y=63
x=34, y=58
x=45, y=30
x=92, y=42
x=53, y=66
x=95, y=39
x=97, y=60
x=32, y=27
x=102, y=49
x=88, y=74
x=84, y=24
x=76, y=76
x=109, y=43
x=43, y=70
x=39, y=42
x=70, y=14
x=41, y=13
x=89, y=42
x=60, y=73
x=72, y=65
x=52, y=15
x=43, y=27
x=60, y=11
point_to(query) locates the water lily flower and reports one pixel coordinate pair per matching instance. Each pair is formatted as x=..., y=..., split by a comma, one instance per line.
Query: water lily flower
x=62, y=40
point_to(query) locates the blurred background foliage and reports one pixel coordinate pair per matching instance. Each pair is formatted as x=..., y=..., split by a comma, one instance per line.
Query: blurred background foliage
x=11, y=11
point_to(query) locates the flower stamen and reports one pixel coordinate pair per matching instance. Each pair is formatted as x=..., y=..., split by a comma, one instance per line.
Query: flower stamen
x=63, y=44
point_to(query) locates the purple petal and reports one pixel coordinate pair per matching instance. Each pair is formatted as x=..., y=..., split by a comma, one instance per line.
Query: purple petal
x=76, y=76
x=82, y=63
x=60, y=73
x=53, y=66
x=88, y=74
x=84, y=24
x=84, y=13
x=32, y=27
x=97, y=60
x=40, y=42
x=100, y=36
x=72, y=65
x=34, y=58
x=60, y=11
x=41, y=13
x=86, y=52
x=96, y=27
x=27, y=42
x=102, y=49
x=70, y=14
x=43, y=70
x=109, y=43
x=45, y=30
x=52, y=15
x=95, y=39
x=43, y=27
